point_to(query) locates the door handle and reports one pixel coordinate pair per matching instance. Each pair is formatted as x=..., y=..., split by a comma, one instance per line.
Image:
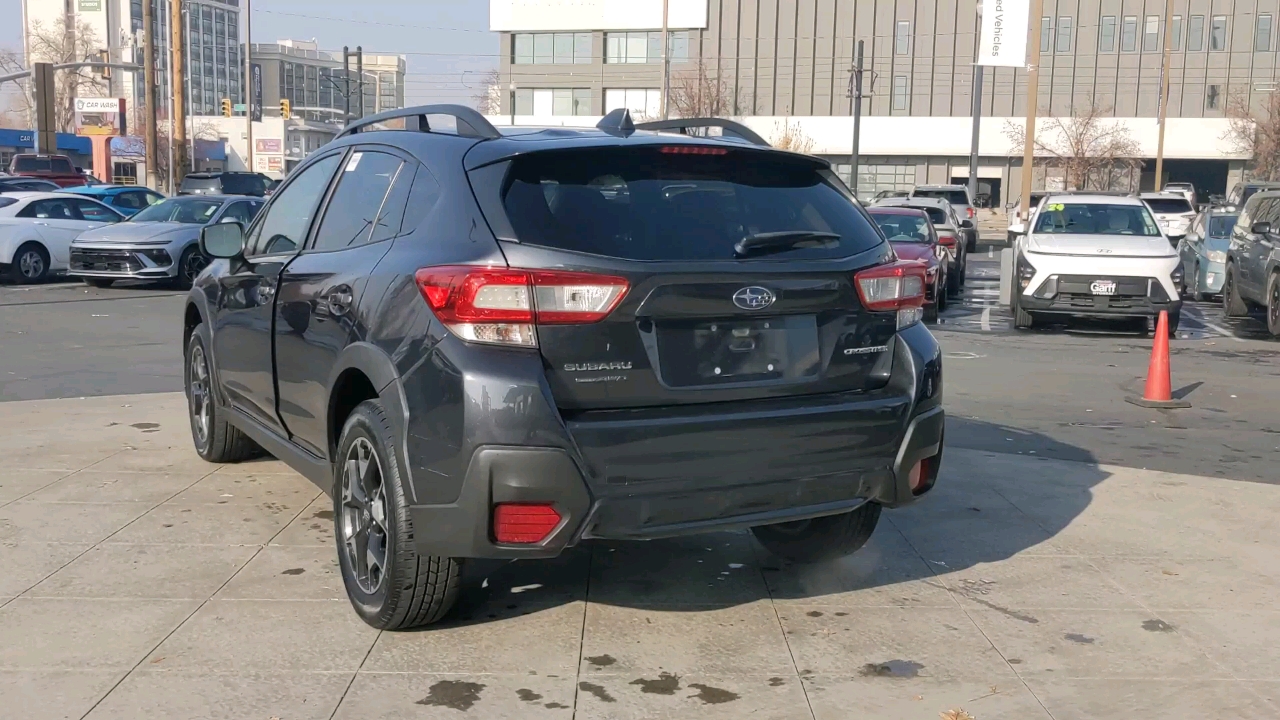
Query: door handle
x=339, y=300
x=40, y=223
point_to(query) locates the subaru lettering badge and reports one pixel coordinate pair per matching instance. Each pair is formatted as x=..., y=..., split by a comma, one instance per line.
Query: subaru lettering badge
x=754, y=298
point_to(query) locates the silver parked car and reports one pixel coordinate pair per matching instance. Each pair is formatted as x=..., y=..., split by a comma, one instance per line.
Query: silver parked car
x=160, y=243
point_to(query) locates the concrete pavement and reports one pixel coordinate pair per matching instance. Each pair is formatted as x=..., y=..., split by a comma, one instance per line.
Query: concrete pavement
x=137, y=581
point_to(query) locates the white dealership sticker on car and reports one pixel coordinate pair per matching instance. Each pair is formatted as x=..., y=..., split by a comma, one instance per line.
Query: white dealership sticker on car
x=1103, y=287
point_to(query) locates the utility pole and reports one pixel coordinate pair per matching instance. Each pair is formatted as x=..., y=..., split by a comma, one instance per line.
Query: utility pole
x=178, y=81
x=149, y=93
x=1164, y=97
x=1033, y=98
x=249, y=95
x=978, y=71
x=666, y=61
x=43, y=88
x=346, y=78
x=360, y=76
x=855, y=91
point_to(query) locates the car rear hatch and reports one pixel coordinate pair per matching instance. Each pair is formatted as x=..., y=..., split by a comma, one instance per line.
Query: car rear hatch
x=732, y=344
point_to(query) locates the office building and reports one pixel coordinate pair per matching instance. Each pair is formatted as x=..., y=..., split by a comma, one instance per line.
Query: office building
x=313, y=80
x=789, y=61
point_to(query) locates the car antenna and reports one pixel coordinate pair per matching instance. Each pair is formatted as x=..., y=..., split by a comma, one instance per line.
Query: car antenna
x=617, y=122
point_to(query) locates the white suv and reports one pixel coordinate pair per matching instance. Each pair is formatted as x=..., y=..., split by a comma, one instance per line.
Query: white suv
x=1174, y=213
x=1095, y=256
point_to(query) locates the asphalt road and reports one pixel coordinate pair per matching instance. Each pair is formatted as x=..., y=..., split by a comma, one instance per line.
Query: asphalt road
x=1055, y=393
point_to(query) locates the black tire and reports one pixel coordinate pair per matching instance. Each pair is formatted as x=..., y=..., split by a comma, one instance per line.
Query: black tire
x=1175, y=318
x=953, y=278
x=1232, y=303
x=940, y=298
x=824, y=538
x=410, y=589
x=964, y=268
x=216, y=440
x=1273, y=305
x=931, y=313
x=1022, y=320
x=30, y=264
x=190, y=264
x=99, y=282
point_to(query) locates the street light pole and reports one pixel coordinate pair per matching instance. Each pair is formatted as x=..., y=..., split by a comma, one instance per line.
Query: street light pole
x=1164, y=97
x=855, y=155
x=149, y=94
x=977, y=116
x=1033, y=98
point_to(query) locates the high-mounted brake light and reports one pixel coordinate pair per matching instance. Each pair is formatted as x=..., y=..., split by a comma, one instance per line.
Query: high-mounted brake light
x=893, y=287
x=503, y=306
x=692, y=150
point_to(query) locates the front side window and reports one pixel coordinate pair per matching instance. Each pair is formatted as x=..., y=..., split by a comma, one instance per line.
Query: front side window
x=1096, y=219
x=284, y=227
x=1218, y=33
x=1107, y=34
x=353, y=209
x=1129, y=34
x=242, y=212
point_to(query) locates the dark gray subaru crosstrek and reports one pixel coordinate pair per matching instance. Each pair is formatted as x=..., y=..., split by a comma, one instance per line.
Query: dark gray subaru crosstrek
x=492, y=344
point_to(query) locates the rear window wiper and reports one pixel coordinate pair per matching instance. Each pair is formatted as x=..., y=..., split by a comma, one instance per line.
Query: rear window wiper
x=768, y=242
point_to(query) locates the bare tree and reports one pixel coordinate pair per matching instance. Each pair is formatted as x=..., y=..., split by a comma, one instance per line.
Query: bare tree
x=791, y=137
x=1256, y=134
x=704, y=93
x=57, y=43
x=489, y=99
x=1090, y=152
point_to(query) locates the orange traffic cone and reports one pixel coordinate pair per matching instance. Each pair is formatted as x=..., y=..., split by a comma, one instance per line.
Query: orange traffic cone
x=1159, y=390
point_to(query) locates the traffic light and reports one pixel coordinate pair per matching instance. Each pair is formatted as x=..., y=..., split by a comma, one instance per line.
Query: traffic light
x=104, y=72
x=285, y=109
x=226, y=107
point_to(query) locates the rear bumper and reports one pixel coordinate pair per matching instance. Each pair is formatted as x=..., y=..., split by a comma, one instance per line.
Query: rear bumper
x=624, y=477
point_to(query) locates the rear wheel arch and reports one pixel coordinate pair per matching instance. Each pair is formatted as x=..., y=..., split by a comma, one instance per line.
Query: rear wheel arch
x=361, y=373
x=192, y=318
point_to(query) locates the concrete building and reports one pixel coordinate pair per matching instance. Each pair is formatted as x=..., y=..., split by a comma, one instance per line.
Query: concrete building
x=788, y=61
x=313, y=80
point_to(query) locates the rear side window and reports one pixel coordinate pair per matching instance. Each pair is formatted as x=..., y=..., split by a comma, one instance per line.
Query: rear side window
x=645, y=204
x=243, y=184
x=1168, y=205
x=354, y=207
x=955, y=197
x=6, y=202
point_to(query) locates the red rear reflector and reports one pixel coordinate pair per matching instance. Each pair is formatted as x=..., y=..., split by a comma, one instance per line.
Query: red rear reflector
x=692, y=150
x=523, y=523
x=502, y=305
x=919, y=472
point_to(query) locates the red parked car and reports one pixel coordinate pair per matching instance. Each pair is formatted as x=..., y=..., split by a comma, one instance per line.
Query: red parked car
x=57, y=169
x=914, y=238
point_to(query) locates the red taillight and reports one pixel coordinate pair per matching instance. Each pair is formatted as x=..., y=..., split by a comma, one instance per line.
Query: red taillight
x=523, y=523
x=503, y=305
x=897, y=286
x=971, y=212
x=948, y=240
x=692, y=150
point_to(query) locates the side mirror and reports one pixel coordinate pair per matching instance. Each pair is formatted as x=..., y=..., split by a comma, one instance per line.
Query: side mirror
x=1261, y=227
x=223, y=240
x=966, y=224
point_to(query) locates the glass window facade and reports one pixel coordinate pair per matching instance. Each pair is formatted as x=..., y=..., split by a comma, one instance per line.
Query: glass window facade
x=644, y=47
x=1107, y=34
x=547, y=48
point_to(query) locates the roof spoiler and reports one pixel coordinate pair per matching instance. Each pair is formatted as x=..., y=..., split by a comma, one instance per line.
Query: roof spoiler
x=469, y=122
x=728, y=128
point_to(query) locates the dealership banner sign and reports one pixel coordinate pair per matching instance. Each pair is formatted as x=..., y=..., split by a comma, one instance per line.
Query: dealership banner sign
x=1003, y=42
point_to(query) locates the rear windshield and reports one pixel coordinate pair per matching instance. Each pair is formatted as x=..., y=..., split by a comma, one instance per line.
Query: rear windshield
x=1168, y=205
x=182, y=210
x=937, y=215
x=243, y=185
x=643, y=204
x=955, y=197
x=1221, y=225
x=31, y=163
x=190, y=184
x=1096, y=219
x=903, y=228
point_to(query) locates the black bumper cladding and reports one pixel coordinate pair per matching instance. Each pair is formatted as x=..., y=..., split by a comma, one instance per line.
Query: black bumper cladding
x=1100, y=296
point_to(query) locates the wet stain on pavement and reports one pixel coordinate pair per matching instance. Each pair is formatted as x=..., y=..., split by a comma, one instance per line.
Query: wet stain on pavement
x=528, y=695
x=323, y=514
x=712, y=695
x=601, y=660
x=776, y=682
x=454, y=694
x=1015, y=661
x=555, y=706
x=892, y=668
x=665, y=684
x=1078, y=638
x=1157, y=626
x=841, y=614
x=814, y=613
x=293, y=571
x=598, y=691
x=146, y=426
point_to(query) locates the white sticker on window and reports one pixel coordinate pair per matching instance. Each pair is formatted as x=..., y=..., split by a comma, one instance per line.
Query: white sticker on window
x=354, y=161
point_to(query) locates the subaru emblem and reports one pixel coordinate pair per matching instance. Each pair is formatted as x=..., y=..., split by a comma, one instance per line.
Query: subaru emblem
x=754, y=297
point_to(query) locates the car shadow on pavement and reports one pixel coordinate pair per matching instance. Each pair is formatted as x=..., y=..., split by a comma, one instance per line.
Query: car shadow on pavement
x=988, y=506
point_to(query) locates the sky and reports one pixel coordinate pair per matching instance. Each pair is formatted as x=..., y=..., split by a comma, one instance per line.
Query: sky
x=447, y=44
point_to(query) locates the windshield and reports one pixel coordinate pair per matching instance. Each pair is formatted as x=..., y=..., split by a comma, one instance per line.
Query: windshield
x=647, y=204
x=243, y=184
x=903, y=228
x=955, y=197
x=1220, y=225
x=192, y=212
x=1168, y=205
x=1096, y=219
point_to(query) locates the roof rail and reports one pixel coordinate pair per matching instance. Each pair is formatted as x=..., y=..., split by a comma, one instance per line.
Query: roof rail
x=470, y=123
x=617, y=122
x=728, y=127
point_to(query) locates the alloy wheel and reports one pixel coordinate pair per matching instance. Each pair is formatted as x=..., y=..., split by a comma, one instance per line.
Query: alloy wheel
x=1273, y=307
x=200, y=401
x=364, y=516
x=192, y=264
x=31, y=265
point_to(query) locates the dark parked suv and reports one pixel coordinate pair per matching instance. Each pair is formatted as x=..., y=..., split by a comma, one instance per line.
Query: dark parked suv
x=1253, y=261
x=224, y=183
x=497, y=345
